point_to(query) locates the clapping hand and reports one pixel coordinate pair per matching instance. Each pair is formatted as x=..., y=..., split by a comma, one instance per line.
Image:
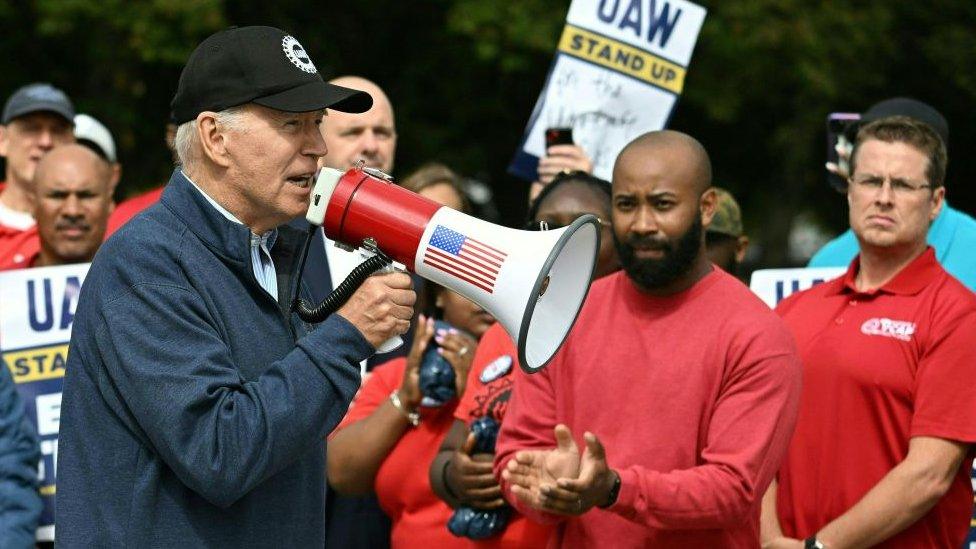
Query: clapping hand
x=458, y=349
x=409, y=391
x=559, y=480
x=529, y=471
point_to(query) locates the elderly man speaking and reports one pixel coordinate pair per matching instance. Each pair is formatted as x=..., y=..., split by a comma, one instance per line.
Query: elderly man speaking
x=196, y=403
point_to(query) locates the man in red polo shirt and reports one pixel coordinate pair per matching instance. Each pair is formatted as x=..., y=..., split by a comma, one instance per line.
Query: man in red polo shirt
x=881, y=452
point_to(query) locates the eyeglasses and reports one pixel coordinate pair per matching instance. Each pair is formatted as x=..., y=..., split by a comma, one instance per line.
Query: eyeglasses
x=549, y=226
x=898, y=186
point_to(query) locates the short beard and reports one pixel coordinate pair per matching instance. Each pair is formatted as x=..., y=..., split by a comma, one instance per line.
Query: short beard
x=678, y=259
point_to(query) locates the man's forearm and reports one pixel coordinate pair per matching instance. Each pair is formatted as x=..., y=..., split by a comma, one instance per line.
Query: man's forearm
x=895, y=503
x=707, y=496
x=769, y=527
x=748, y=433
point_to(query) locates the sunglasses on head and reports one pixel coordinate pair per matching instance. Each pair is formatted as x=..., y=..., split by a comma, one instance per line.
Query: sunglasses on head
x=548, y=226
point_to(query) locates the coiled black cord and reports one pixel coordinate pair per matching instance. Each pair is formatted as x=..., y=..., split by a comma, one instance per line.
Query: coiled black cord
x=343, y=291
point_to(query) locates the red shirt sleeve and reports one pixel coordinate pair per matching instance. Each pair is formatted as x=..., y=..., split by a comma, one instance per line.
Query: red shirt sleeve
x=494, y=343
x=383, y=380
x=528, y=424
x=945, y=379
x=748, y=435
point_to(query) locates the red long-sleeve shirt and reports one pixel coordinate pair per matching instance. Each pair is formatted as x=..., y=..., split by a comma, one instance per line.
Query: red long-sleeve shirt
x=694, y=397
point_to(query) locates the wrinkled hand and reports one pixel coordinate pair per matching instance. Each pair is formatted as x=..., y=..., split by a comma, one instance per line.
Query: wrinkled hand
x=381, y=308
x=410, y=394
x=471, y=479
x=575, y=496
x=562, y=158
x=783, y=543
x=458, y=349
x=529, y=471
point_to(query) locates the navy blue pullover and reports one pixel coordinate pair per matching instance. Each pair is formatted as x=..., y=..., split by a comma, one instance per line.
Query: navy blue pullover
x=195, y=406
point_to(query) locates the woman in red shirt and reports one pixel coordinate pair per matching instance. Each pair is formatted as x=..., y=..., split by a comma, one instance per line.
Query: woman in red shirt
x=388, y=439
x=463, y=479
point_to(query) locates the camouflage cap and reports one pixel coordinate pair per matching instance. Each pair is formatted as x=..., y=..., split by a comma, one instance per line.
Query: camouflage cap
x=728, y=217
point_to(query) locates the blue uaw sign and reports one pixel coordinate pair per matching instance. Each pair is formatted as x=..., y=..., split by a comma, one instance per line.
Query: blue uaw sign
x=773, y=285
x=619, y=68
x=36, y=310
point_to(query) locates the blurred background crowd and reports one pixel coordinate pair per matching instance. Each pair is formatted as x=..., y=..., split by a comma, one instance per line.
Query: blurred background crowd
x=764, y=76
x=453, y=82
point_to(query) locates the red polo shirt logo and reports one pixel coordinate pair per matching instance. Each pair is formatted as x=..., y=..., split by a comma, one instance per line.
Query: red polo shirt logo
x=898, y=329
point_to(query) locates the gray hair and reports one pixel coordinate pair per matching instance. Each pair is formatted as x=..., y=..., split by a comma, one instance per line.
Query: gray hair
x=186, y=138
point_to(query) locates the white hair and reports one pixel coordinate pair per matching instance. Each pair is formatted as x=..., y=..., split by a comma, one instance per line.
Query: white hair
x=186, y=138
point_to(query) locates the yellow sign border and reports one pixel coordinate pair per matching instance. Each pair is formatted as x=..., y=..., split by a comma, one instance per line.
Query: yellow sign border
x=652, y=69
x=35, y=373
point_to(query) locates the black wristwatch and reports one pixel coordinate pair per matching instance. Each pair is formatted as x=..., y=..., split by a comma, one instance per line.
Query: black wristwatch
x=614, y=491
x=813, y=543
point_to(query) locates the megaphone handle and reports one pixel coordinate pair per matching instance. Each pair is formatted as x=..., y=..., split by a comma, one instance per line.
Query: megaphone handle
x=391, y=344
x=394, y=342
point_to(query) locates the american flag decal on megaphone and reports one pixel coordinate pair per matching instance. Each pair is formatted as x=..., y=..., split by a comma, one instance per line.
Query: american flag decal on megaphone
x=470, y=260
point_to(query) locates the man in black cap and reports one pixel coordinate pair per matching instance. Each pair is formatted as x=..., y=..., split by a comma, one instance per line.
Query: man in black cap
x=196, y=403
x=35, y=119
x=952, y=234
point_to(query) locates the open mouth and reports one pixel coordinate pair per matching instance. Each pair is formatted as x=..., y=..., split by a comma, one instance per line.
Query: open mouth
x=303, y=181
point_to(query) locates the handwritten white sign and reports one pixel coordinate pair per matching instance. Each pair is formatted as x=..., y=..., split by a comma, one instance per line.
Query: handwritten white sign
x=620, y=66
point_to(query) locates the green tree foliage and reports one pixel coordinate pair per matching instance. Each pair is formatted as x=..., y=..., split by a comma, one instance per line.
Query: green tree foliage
x=118, y=60
x=465, y=74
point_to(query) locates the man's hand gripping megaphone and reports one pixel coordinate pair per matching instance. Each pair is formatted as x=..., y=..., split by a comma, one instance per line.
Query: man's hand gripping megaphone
x=374, y=261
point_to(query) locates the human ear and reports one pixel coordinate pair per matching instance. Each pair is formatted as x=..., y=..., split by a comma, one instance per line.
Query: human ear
x=213, y=138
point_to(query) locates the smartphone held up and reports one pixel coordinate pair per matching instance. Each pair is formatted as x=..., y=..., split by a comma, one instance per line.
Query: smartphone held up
x=559, y=136
x=841, y=131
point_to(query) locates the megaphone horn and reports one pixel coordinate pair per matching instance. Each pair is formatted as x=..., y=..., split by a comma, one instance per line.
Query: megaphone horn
x=534, y=283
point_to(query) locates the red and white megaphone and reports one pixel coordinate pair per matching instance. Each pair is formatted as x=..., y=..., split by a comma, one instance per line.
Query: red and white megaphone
x=534, y=283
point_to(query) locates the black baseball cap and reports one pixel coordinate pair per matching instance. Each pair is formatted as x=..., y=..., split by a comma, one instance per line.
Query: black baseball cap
x=38, y=97
x=262, y=65
x=912, y=108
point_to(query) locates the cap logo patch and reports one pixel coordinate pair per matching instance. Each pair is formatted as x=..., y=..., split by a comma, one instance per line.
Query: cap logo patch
x=898, y=329
x=296, y=54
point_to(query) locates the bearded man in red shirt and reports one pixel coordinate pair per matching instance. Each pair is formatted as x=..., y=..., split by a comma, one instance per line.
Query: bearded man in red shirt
x=882, y=449
x=682, y=383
